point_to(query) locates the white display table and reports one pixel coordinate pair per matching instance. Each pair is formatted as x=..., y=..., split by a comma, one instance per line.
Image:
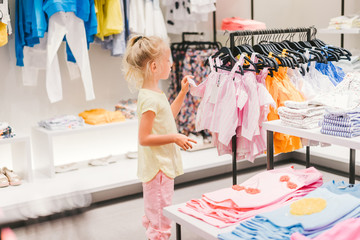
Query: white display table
x=59, y=147
x=312, y=134
x=199, y=227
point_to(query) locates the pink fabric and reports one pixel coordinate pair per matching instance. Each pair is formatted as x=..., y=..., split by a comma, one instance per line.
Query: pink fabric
x=236, y=23
x=252, y=101
x=7, y=234
x=346, y=230
x=158, y=193
x=227, y=206
x=217, y=109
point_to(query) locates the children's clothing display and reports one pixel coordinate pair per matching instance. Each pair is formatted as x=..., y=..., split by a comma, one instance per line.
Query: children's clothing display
x=301, y=114
x=233, y=95
x=348, y=229
x=188, y=62
x=345, y=22
x=101, y=116
x=6, y=131
x=342, y=203
x=62, y=122
x=109, y=18
x=183, y=16
x=341, y=123
x=335, y=74
x=152, y=159
x=146, y=18
x=5, y=24
x=281, y=89
x=127, y=107
x=263, y=192
x=237, y=23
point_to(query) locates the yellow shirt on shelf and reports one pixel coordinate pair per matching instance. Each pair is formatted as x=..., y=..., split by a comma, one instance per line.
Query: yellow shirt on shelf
x=101, y=116
x=166, y=158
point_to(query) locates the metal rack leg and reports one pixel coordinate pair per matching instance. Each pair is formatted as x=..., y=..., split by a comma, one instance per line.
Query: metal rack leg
x=270, y=150
x=352, y=167
x=234, y=168
x=178, y=231
x=307, y=156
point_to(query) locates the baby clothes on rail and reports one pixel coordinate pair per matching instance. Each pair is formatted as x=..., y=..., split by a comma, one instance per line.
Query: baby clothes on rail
x=191, y=62
x=335, y=74
x=281, y=89
x=342, y=203
x=263, y=192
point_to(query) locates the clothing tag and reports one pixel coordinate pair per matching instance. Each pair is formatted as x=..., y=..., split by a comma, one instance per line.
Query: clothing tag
x=191, y=82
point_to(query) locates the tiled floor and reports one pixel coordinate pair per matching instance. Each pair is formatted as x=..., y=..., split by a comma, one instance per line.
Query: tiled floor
x=121, y=218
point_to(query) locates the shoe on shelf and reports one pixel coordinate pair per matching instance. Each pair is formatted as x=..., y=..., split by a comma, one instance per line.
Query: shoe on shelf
x=4, y=181
x=13, y=178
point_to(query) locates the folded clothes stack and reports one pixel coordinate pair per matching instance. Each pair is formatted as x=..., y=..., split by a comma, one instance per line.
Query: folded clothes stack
x=342, y=124
x=62, y=122
x=5, y=130
x=345, y=22
x=301, y=114
x=127, y=107
x=236, y=23
x=101, y=116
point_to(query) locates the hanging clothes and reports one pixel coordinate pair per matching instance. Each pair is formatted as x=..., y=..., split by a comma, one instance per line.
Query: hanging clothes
x=281, y=89
x=184, y=16
x=146, y=18
x=5, y=24
x=109, y=17
x=189, y=62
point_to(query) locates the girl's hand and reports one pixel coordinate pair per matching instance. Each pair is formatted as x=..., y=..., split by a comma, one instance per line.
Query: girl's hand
x=185, y=83
x=183, y=141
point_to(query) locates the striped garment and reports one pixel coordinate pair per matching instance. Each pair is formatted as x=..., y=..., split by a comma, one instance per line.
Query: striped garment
x=340, y=128
x=343, y=123
x=340, y=134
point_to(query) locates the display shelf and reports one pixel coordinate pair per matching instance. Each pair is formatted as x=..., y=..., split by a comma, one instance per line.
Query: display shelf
x=340, y=31
x=117, y=179
x=60, y=147
x=311, y=134
x=20, y=155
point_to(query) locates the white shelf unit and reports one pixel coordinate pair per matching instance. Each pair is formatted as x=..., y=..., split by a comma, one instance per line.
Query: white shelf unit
x=340, y=31
x=60, y=147
x=20, y=156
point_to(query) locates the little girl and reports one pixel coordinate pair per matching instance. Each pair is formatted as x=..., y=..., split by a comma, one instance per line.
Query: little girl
x=147, y=61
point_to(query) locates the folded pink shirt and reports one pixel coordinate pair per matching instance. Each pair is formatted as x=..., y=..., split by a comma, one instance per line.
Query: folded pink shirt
x=228, y=206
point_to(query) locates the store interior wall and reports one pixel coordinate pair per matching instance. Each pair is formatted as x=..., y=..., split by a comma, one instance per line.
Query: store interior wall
x=23, y=106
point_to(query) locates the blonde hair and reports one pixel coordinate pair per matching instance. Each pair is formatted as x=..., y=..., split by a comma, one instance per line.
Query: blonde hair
x=140, y=53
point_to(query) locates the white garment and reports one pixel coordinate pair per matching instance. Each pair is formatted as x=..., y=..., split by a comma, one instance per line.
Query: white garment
x=67, y=24
x=159, y=22
x=149, y=18
x=5, y=15
x=137, y=16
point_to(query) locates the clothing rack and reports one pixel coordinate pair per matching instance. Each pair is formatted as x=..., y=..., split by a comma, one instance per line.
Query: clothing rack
x=270, y=139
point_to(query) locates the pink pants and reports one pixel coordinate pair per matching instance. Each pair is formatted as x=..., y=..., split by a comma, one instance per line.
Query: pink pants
x=158, y=194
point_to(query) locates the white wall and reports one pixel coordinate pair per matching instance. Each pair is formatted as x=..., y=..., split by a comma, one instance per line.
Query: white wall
x=23, y=106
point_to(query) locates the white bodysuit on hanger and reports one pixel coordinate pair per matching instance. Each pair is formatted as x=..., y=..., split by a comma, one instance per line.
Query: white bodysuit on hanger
x=67, y=24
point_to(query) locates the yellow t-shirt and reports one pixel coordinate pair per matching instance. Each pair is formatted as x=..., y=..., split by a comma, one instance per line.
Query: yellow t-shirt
x=166, y=158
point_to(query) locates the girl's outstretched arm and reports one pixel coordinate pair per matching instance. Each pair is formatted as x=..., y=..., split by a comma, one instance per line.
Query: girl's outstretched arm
x=176, y=105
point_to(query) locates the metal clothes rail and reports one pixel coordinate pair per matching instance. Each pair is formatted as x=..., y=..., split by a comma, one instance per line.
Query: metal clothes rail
x=232, y=37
